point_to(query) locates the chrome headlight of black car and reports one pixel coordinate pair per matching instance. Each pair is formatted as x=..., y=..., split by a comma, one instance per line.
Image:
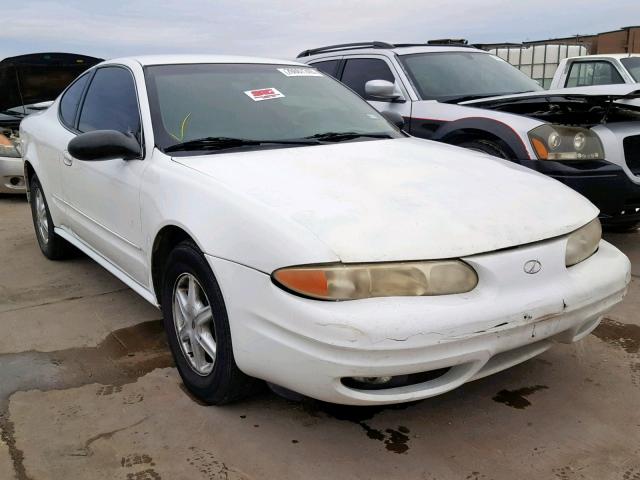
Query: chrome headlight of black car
x=557, y=142
x=583, y=243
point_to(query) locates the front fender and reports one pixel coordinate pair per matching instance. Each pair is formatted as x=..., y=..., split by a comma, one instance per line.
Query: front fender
x=494, y=127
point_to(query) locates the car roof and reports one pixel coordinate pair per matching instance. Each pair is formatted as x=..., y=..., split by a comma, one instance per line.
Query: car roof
x=396, y=50
x=146, y=60
x=605, y=55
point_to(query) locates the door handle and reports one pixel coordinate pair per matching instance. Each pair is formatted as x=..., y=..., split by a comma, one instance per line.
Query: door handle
x=67, y=159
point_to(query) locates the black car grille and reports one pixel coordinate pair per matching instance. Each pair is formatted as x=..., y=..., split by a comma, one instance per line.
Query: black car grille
x=632, y=153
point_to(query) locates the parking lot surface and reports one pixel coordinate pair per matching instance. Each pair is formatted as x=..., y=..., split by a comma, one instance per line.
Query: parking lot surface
x=87, y=390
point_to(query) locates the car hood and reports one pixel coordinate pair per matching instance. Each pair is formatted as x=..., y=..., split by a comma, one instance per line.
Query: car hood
x=402, y=199
x=583, y=106
x=38, y=77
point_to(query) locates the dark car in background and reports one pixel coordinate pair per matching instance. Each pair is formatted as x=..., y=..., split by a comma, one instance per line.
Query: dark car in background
x=28, y=84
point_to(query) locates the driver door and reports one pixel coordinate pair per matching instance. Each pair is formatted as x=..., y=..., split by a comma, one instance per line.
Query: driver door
x=103, y=197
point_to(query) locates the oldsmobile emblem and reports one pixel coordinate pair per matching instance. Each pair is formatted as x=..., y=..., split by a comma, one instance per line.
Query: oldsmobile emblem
x=532, y=267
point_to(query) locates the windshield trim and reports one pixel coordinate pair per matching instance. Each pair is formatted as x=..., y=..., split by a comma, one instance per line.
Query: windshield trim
x=416, y=84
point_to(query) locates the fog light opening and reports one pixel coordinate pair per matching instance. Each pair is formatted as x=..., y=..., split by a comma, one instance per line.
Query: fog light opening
x=15, y=181
x=387, y=382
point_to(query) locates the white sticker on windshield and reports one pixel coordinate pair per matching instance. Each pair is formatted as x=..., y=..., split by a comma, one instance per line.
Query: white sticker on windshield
x=263, y=94
x=300, y=72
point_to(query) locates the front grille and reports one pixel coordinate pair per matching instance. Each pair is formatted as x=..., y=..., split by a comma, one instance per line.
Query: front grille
x=632, y=153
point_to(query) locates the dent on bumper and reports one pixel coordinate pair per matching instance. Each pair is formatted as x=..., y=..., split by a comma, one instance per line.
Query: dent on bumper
x=308, y=346
x=11, y=175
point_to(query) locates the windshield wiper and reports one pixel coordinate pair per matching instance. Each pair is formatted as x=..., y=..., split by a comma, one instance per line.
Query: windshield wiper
x=222, y=143
x=342, y=136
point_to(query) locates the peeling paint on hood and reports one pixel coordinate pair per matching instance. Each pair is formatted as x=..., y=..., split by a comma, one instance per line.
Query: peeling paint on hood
x=402, y=199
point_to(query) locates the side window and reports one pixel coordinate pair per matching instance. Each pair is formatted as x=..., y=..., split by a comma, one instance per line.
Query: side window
x=111, y=103
x=584, y=74
x=359, y=71
x=330, y=67
x=71, y=99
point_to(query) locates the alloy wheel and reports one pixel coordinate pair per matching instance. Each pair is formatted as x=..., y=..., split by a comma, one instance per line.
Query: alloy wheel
x=42, y=219
x=193, y=321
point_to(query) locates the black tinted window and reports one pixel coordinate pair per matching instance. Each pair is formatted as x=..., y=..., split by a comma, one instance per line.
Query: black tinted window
x=359, y=71
x=330, y=67
x=111, y=103
x=584, y=74
x=70, y=101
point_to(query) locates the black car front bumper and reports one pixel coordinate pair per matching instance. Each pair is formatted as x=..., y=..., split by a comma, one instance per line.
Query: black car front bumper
x=605, y=184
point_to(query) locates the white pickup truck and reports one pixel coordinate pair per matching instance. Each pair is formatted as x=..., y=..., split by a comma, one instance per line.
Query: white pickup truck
x=590, y=70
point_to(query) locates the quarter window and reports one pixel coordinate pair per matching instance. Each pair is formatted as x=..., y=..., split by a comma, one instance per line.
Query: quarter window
x=70, y=101
x=111, y=103
x=358, y=71
x=582, y=74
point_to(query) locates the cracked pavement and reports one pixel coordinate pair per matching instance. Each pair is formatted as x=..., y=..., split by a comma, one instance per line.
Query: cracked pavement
x=88, y=390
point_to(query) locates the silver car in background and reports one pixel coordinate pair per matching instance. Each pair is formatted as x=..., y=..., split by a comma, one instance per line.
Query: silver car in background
x=28, y=84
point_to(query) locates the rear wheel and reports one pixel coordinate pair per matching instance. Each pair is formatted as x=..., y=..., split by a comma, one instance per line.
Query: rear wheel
x=51, y=244
x=486, y=146
x=195, y=319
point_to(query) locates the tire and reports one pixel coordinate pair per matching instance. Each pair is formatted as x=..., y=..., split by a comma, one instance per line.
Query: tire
x=214, y=379
x=486, y=146
x=52, y=246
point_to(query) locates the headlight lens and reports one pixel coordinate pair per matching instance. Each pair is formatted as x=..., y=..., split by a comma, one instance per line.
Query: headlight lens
x=7, y=148
x=556, y=142
x=583, y=243
x=401, y=279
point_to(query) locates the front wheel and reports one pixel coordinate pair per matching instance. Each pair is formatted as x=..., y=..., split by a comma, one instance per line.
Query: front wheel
x=195, y=319
x=486, y=146
x=51, y=244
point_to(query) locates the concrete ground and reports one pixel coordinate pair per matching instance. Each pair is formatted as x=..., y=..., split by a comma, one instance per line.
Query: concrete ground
x=88, y=391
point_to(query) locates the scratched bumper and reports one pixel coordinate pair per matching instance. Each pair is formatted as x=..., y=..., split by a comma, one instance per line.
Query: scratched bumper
x=308, y=346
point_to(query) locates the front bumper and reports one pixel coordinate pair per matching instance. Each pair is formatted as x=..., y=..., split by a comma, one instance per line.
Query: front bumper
x=307, y=346
x=11, y=175
x=605, y=184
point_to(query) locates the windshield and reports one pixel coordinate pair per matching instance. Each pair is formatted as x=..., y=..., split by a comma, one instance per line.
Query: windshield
x=209, y=106
x=448, y=76
x=632, y=64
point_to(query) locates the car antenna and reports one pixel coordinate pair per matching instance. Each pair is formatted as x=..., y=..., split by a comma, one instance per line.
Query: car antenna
x=24, y=108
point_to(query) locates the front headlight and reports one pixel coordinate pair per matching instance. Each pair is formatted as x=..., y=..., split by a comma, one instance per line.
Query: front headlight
x=556, y=142
x=583, y=243
x=398, y=279
x=7, y=148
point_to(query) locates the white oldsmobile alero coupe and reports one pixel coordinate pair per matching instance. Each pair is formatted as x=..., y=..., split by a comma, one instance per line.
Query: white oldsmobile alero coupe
x=291, y=233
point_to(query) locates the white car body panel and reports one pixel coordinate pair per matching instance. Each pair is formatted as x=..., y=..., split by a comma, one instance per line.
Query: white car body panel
x=511, y=318
x=349, y=204
x=252, y=212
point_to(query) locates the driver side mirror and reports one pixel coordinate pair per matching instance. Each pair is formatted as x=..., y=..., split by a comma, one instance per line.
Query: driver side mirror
x=383, y=90
x=104, y=145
